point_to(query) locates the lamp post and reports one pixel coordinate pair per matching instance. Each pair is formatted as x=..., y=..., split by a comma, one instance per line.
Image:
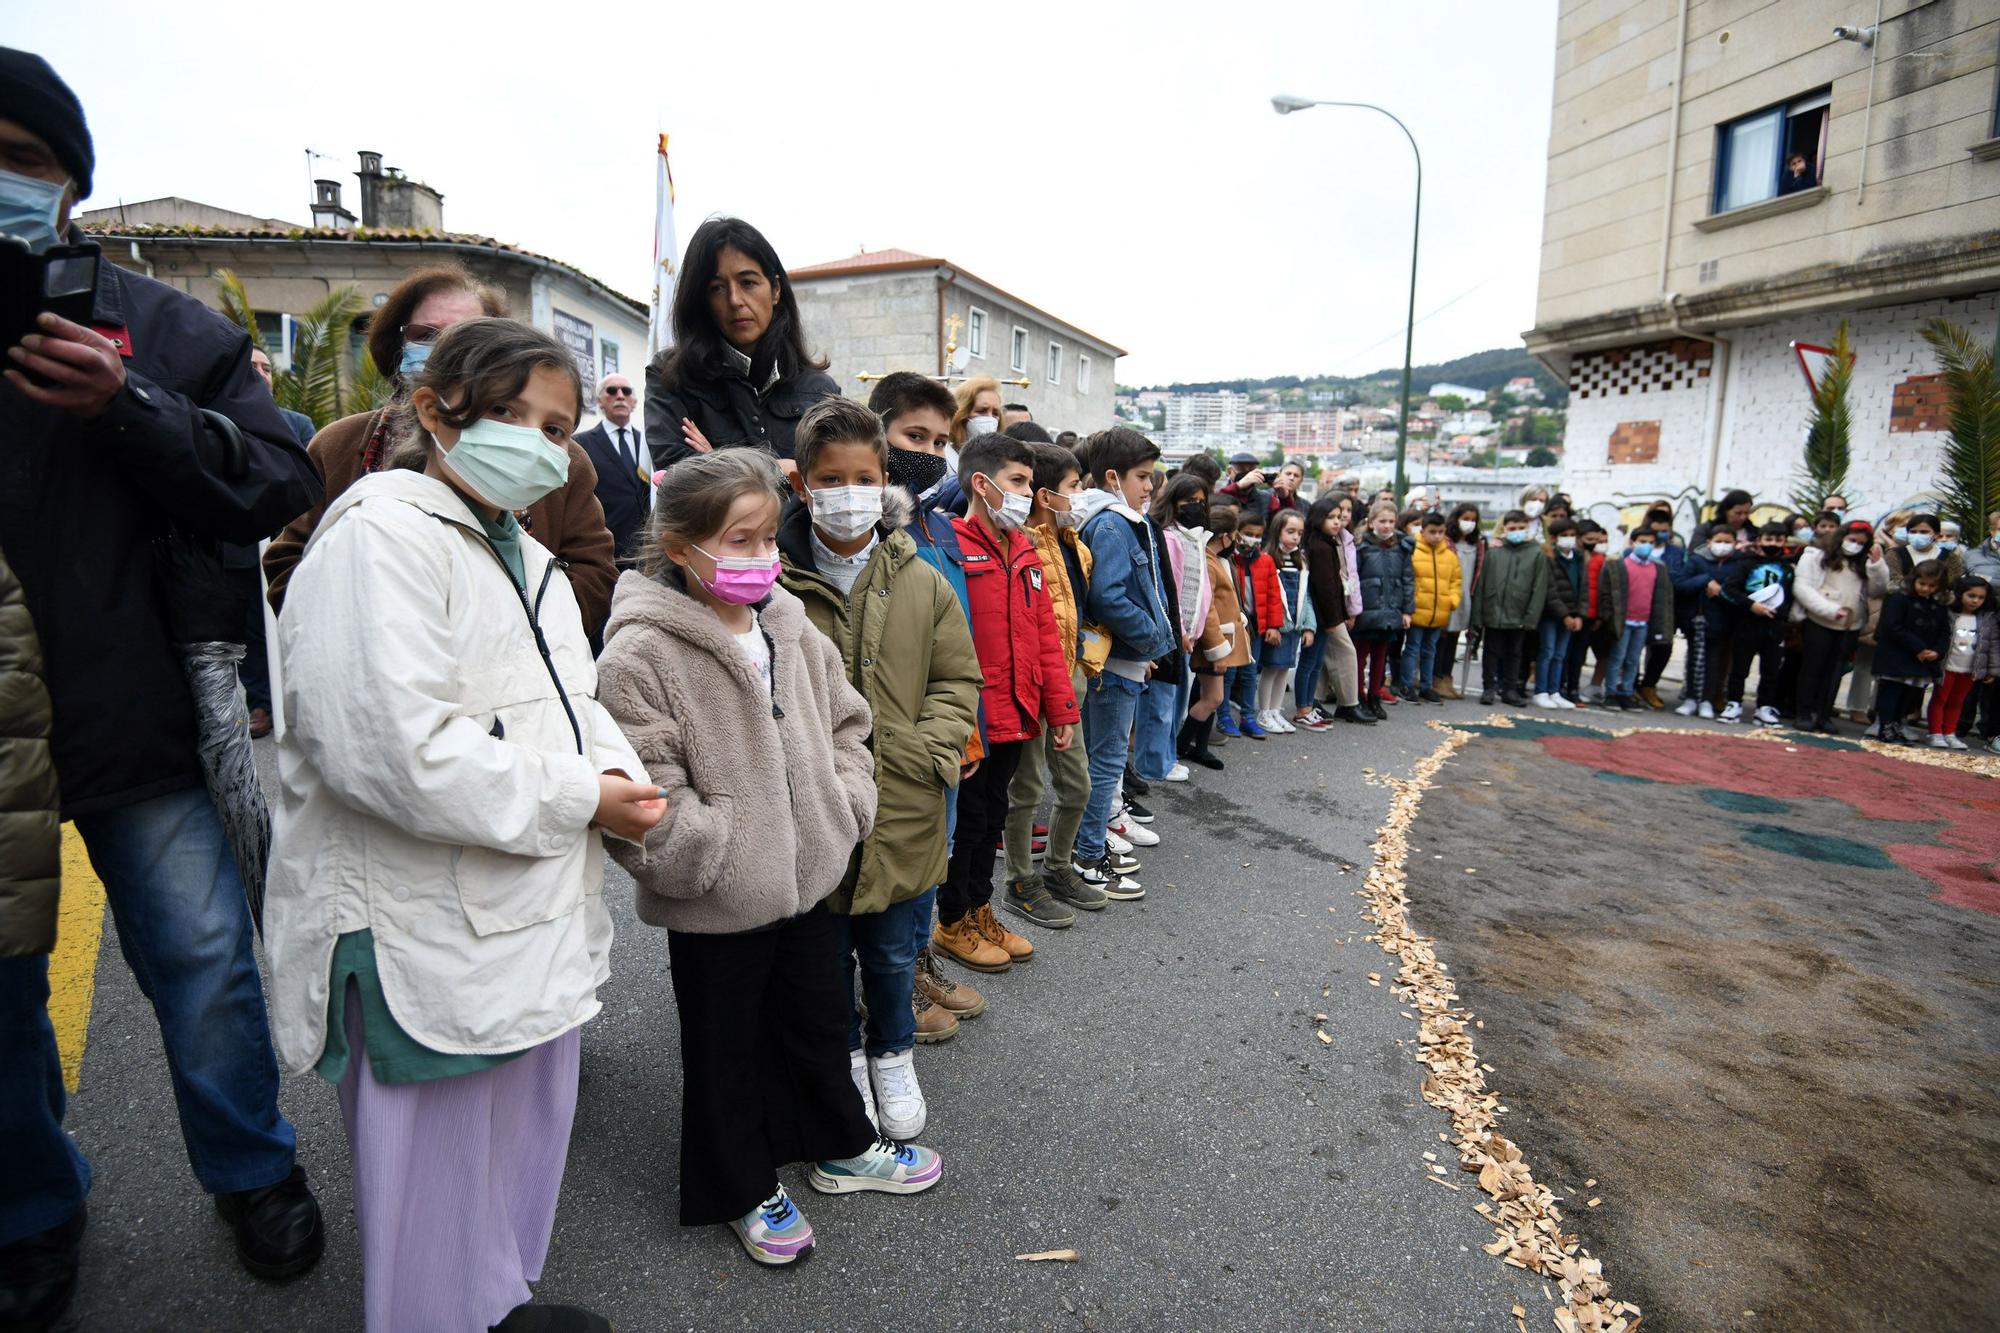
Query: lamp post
x=1284, y=105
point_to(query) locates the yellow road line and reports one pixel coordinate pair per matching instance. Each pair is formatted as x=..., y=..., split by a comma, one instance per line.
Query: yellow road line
x=73, y=966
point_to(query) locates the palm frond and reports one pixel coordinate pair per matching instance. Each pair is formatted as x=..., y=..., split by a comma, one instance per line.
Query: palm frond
x=1969, y=473
x=236, y=306
x=319, y=349
x=370, y=387
x=1827, y=441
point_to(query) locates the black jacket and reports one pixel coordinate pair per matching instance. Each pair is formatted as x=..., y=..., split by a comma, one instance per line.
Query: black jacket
x=624, y=493
x=81, y=503
x=1910, y=624
x=727, y=411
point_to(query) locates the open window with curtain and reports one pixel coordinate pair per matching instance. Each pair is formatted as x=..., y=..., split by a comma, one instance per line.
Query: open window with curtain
x=1777, y=151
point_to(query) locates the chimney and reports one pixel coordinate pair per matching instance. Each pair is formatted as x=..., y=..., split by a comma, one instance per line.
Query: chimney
x=326, y=209
x=391, y=201
x=371, y=179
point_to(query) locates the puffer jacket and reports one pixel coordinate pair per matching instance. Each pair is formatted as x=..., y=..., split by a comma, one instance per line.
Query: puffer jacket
x=1258, y=594
x=1437, y=584
x=1388, y=585
x=1066, y=563
x=1512, y=586
x=1911, y=624
x=440, y=772
x=766, y=795
x=725, y=409
x=1236, y=634
x=1569, y=586
x=30, y=831
x=937, y=546
x=907, y=649
x=1014, y=629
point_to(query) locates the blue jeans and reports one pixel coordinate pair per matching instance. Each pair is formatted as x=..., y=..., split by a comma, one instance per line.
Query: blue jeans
x=1626, y=659
x=1109, y=705
x=1161, y=709
x=920, y=921
x=1553, y=656
x=886, y=944
x=1239, y=687
x=1419, y=656
x=1307, y=679
x=185, y=931
x=46, y=1176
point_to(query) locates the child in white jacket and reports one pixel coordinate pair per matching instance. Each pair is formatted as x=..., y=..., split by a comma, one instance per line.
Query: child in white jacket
x=1835, y=578
x=435, y=926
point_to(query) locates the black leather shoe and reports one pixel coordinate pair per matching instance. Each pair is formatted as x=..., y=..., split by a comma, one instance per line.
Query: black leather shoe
x=38, y=1276
x=278, y=1230
x=552, y=1319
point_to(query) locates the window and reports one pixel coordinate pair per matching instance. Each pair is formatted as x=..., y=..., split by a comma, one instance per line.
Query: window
x=1020, y=349
x=1083, y=372
x=1055, y=363
x=275, y=327
x=975, y=332
x=608, y=350
x=1780, y=150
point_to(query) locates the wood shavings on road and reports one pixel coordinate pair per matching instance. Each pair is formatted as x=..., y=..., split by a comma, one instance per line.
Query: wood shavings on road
x=1527, y=1224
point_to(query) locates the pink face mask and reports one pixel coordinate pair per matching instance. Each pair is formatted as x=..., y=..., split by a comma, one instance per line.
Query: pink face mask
x=740, y=580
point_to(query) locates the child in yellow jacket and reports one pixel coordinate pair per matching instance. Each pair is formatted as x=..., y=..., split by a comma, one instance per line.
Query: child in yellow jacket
x=1438, y=591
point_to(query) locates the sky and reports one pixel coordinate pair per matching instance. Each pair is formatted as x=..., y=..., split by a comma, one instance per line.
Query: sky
x=1117, y=165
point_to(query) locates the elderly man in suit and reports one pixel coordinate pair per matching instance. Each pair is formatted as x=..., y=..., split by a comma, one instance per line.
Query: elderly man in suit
x=617, y=449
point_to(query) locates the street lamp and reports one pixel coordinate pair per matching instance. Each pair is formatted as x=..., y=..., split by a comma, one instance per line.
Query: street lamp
x=1284, y=104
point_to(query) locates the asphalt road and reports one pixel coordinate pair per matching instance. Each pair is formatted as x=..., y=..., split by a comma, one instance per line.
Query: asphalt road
x=1147, y=1091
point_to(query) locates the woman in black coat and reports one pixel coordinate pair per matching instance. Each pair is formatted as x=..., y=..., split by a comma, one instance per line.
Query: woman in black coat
x=738, y=373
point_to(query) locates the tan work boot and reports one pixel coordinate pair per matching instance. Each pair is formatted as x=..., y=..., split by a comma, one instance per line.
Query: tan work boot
x=1443, y=685
x=1652, y=697
x=1017, y=946
x=956, y=998
x=968, y=944
x=934, y=1021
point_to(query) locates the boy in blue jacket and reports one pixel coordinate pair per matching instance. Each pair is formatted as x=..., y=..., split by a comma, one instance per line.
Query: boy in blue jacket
x=1700, y=582
x=1128, y=599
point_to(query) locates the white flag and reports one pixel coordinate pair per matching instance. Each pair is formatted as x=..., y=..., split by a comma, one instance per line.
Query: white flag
x=666, y=261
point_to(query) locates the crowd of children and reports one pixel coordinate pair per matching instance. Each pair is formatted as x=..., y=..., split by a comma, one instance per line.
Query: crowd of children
x=832, y=700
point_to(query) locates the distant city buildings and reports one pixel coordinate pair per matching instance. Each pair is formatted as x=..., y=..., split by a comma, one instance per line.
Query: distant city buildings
x=1470, y=395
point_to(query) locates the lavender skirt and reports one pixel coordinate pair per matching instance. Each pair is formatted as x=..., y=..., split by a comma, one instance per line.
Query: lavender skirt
x=455, y=1183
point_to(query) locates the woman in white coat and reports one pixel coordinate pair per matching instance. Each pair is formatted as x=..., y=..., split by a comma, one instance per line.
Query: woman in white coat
x=436, y=928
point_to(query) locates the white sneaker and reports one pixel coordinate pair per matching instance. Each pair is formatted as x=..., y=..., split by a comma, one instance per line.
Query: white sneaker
x=1557, y=701
x=1956, y=744
x=1686, y=709
x=904, y=1112
x=1768, y=716
x=1179, y=772
x=1115, y=844
x=1940, y=743
x=1541, y=701
x=857, y=1069
x=1284, y=720
x=1707, y=711
x=1731, y=712
x=1138, y=835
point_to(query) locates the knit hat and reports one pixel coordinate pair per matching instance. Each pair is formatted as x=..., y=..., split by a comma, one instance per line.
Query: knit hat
x=34, y=96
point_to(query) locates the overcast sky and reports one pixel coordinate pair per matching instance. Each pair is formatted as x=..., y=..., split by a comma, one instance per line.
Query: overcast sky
x=1119, y=166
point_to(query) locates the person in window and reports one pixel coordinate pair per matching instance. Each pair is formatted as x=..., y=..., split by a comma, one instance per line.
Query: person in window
x=738, y=372
x=1797, y=175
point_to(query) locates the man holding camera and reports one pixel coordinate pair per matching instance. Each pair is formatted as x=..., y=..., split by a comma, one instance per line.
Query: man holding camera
x=142, y=414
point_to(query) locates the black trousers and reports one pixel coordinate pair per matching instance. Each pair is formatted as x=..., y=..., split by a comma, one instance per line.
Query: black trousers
x=982, y=815
x=1501, y=650
x=1822, y=652
x=764, y=1079
x=1657, y=657
x=1984, y=706
x=1752, y=639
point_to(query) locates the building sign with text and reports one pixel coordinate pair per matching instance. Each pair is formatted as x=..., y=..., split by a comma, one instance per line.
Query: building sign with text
x=581, y=339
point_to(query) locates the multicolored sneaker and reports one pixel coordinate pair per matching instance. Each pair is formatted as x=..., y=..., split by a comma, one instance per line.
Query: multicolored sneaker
x=775, y=1232
x=888, y=1166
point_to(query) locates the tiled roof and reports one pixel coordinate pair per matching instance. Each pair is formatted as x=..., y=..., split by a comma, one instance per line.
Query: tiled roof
x=892, y=260
x=456, y=240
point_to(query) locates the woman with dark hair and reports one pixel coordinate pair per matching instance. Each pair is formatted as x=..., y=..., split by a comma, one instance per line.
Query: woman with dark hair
x=569, y=520
x=738, y=373
x=1732, y=515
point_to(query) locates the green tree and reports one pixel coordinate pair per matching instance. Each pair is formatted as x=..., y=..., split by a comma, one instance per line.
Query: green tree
x=1969, y=484
x=1542, y=456
x=319, y=382
x=1826, y=452
x=1451, y=402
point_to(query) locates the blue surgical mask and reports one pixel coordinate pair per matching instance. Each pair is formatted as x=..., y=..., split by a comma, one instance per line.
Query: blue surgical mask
x=1516, y=536
x=1642, y=553
x=508, y=466
x=1947, y=544
x=1901, y=534
x=28, y=209
x=414, y=357
x=1921, y=541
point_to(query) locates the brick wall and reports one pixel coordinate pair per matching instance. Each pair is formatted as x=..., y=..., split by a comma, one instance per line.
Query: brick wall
x=1921, y=402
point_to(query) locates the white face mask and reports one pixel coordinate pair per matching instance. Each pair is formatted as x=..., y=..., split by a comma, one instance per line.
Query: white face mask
x=978, y=426
x=1721, y=550
x=1066, y=517
x=1851, y=548
x=1013, y=511
x=846, y=512
x=1533, y=509
x=1468, y=526
x=1565, y=544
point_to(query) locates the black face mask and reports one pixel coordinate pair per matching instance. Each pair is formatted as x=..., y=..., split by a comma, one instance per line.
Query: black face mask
x=914, y=470
x=1193, y=514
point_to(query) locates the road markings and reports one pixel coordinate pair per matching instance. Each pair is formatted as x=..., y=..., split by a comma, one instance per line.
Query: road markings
x=73, y=965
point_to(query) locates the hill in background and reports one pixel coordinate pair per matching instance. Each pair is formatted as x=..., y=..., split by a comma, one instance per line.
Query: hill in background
x=1481, y=370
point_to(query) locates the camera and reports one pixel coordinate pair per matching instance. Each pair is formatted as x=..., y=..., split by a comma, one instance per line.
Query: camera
x=62, y=280
x=1847, y=33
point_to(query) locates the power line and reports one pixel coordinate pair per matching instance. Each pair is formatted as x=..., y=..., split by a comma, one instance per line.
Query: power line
x=1398, y=331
